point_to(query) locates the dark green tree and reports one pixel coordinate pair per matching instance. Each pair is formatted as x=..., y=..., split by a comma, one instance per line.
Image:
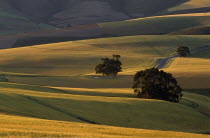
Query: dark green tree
x=109, y=67
x=156, y=84
x=183, y=51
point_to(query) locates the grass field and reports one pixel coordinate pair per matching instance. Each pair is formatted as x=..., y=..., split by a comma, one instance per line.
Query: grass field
x=53, y=90
x=14, y=126
x=71, y=64
x=163, y=24
x=81, y=57
x=64, y=104
x=193, y=73
x=56, y=89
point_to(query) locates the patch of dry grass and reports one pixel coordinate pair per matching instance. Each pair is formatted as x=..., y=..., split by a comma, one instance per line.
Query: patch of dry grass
x=192, y=73
x=14, y=126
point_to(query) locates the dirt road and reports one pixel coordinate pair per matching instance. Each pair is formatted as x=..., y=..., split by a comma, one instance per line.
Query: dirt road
x=161, y=63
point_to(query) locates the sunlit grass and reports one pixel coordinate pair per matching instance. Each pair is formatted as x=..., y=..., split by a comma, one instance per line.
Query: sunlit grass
x=81, y=57
x=191, y=4
x=13, y=126
x=193, y=73
x=104, y=106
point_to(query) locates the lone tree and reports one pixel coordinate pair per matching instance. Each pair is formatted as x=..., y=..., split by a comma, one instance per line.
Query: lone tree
x=155, y=84
x=183, y=51
x=109, y=67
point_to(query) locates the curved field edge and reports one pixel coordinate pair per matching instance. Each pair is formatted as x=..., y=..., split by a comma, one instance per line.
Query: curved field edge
x=14, y=126
x=99, y=106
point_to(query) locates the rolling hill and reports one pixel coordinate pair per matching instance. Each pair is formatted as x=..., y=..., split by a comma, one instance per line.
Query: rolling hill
x=169, y=24
x=63, y=59
x=31, y=127
x=29, y=16
x=47, y=61
x=191, y=4
x=70, y=64
x=13, y=21
x=55, y=84
x=157, y=25
x=199, y=30
x=65, y=104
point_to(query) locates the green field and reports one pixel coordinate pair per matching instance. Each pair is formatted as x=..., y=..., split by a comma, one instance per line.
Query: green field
x=54, y=88
x=64, y=104
x=13, y=126
x=80, y=57
x=53, y=91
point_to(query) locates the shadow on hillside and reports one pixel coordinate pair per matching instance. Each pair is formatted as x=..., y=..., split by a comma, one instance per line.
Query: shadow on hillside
x=99, y=92
x=205, y=92
x=123, y=81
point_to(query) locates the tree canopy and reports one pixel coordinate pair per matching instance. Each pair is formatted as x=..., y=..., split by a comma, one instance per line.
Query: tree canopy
x=183, y=51
x=109, y=67
x=156, y=84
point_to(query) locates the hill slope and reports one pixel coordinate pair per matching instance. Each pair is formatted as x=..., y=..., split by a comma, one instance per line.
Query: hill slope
x=156, y=25
x=143, y=26
x=191, y=4
x=200, y=30
x=67, y=57
x=100, y=108
x=67, y=13
x=13, y=21
x=75, y=61
x=13, y=126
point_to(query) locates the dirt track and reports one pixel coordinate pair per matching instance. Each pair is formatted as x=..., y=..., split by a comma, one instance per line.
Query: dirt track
x=161, y=63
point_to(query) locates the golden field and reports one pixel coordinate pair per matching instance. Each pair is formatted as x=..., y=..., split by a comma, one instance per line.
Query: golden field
x=191, y=4
x=54, y=92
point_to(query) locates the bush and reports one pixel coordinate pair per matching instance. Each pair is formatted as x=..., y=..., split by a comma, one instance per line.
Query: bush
x=155, y=84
